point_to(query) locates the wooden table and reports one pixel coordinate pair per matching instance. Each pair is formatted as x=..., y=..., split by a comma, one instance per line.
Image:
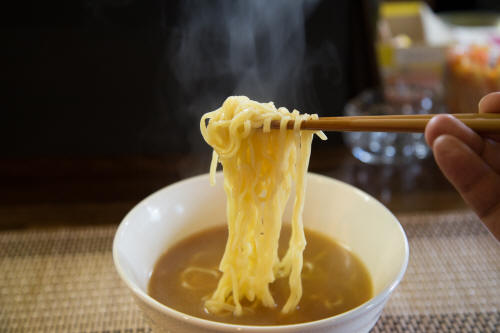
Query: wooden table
x=100, y=190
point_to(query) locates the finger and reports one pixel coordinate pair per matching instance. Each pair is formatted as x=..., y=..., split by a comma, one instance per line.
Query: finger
x=491, y=154
x=490, y=104
x=447, y=124
x=488, y=149
x=477, y=183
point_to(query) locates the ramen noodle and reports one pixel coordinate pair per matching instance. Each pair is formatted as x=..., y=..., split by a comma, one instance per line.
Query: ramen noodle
x=260, y=165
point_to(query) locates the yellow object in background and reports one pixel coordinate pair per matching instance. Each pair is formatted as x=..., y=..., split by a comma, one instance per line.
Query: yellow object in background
x=407, y=49
x=398, y=9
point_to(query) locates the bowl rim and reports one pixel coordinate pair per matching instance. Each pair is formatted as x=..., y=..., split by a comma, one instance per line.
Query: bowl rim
x=227, y=327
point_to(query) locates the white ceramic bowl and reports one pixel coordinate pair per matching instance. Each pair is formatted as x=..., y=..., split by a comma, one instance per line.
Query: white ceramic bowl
x=344, y=213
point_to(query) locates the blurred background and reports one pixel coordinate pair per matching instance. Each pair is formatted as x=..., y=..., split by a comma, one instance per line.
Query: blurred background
x=102, y=99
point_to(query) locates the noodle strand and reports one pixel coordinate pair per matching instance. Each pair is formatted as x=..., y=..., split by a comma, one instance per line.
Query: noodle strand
x=259, y=167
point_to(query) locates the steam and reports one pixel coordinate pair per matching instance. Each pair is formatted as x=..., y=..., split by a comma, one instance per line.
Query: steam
x=255, y=48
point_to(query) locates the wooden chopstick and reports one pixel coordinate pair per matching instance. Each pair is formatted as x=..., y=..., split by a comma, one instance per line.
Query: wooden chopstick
x=479, y=122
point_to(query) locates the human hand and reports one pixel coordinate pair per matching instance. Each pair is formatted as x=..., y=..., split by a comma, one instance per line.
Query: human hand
x=470, y=162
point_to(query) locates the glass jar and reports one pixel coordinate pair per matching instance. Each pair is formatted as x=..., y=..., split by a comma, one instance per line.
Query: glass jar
x=390, y=148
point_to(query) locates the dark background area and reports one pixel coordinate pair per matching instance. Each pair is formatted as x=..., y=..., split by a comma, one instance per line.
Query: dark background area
x=101, y=78
x=102, y=98
x=95, y=77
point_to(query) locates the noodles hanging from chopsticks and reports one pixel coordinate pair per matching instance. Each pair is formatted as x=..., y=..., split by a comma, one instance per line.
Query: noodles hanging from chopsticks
x=259, y=166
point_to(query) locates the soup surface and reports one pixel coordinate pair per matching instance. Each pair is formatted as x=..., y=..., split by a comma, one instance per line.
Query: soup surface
x=334, y=280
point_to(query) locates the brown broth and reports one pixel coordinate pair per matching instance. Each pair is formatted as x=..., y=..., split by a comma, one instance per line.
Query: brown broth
x=338, y=282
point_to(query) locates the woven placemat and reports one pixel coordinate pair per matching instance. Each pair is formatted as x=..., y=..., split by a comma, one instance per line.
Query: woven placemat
x=64, y=280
